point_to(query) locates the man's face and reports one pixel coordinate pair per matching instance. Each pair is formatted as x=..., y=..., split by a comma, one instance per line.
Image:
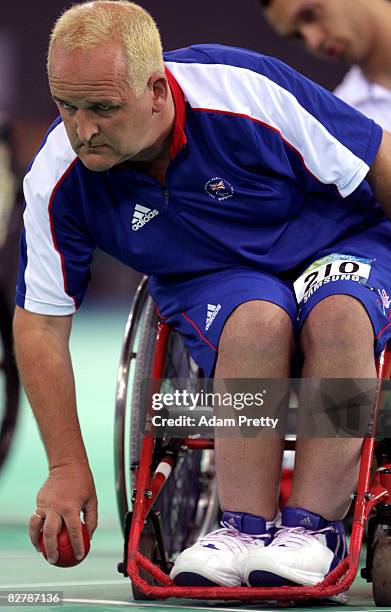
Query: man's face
x=335, y=28
x=105, y=122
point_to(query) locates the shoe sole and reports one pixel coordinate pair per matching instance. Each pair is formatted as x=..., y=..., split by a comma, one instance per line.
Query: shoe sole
x=192, y=579
x=258, y=578
x=192, y=572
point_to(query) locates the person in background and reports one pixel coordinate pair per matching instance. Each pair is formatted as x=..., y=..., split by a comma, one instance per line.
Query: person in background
x=10, y=226
x=357, y=32
x=10, y=215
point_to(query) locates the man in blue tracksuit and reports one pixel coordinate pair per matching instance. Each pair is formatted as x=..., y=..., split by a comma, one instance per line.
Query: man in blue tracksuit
x=247, y=194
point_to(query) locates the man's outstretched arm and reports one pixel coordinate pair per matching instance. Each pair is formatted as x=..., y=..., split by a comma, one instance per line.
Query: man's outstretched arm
x=379, y=176
x=44, y=362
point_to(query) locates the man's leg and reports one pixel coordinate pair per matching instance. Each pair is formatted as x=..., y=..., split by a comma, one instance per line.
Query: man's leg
x=257, y=342
x=337, y=342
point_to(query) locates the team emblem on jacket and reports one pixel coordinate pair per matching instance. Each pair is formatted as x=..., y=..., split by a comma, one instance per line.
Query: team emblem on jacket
x=142, y=215
x=219, y=189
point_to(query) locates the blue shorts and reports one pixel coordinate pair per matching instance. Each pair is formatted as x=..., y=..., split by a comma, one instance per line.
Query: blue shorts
x=360, y=266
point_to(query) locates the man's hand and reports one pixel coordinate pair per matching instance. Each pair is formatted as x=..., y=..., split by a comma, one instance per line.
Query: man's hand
x=42, y=351
x=68, y=491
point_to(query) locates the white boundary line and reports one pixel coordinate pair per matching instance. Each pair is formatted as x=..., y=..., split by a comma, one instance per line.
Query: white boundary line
x=34, y=585
x=140, y=604
x=133, y=604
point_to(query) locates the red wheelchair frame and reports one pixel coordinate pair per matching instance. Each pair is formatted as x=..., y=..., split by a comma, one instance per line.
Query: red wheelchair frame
x=370, y=493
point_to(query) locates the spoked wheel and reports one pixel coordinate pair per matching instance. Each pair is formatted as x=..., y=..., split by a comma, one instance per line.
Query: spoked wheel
x=187, y=505
x=9, y=382
x=381, y=571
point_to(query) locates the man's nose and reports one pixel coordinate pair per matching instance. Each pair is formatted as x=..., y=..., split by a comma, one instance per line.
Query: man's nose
x=313, y=37
x=86, y=126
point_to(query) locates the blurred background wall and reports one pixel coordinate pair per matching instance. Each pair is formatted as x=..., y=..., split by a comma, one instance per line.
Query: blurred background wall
x=24, y=95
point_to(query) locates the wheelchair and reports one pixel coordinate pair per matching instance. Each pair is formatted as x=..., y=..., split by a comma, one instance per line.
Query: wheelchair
x=10, y=221
x=166, y=488
x=9, y=382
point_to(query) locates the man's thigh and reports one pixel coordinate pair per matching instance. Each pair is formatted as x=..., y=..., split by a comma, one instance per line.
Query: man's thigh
x=204, y=304
x=360, y=267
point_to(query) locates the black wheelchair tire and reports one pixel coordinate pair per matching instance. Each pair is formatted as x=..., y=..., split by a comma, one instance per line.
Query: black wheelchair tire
x=381, y=572
x=188, y=502
x=9, y=381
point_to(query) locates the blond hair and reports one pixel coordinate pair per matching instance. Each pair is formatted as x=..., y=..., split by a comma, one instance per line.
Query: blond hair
x=96, y=22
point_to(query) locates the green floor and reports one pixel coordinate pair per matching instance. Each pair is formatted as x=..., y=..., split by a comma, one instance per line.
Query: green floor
x=94, y=584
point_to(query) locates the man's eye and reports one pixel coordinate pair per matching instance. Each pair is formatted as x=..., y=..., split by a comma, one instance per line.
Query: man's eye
x=65, y=106
x=103, y=108
x=308, y=16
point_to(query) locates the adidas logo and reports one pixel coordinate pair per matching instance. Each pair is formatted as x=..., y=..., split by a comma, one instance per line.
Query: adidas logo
x=141, y=216
x=306, y=521
x=211, y=314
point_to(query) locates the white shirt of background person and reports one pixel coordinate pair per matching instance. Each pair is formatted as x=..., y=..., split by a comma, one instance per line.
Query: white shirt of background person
x=370, y=98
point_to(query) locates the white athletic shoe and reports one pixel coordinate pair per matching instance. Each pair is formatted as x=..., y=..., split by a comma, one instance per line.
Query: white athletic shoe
x=216, y=559
x=304, y=550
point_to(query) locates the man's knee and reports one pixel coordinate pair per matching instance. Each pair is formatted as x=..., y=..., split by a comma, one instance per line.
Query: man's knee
x=257, y=328
x=337, y=322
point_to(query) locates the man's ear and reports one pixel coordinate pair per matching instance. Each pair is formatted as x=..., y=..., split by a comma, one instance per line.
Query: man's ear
x=158, y=86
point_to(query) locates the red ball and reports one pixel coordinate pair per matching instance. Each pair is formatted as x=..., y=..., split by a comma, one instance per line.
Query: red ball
x=66, y=557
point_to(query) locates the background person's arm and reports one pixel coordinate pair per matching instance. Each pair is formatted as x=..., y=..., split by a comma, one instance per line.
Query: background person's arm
x=44, y=362
x=379, y=176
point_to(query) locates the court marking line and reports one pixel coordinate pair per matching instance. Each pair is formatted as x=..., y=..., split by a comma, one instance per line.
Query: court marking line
x=131, y=604
x=33, y=585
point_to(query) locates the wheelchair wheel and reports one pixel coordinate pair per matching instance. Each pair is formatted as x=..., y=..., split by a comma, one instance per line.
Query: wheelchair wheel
x=9, y=382
x=187, y=505
x=381, y=572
